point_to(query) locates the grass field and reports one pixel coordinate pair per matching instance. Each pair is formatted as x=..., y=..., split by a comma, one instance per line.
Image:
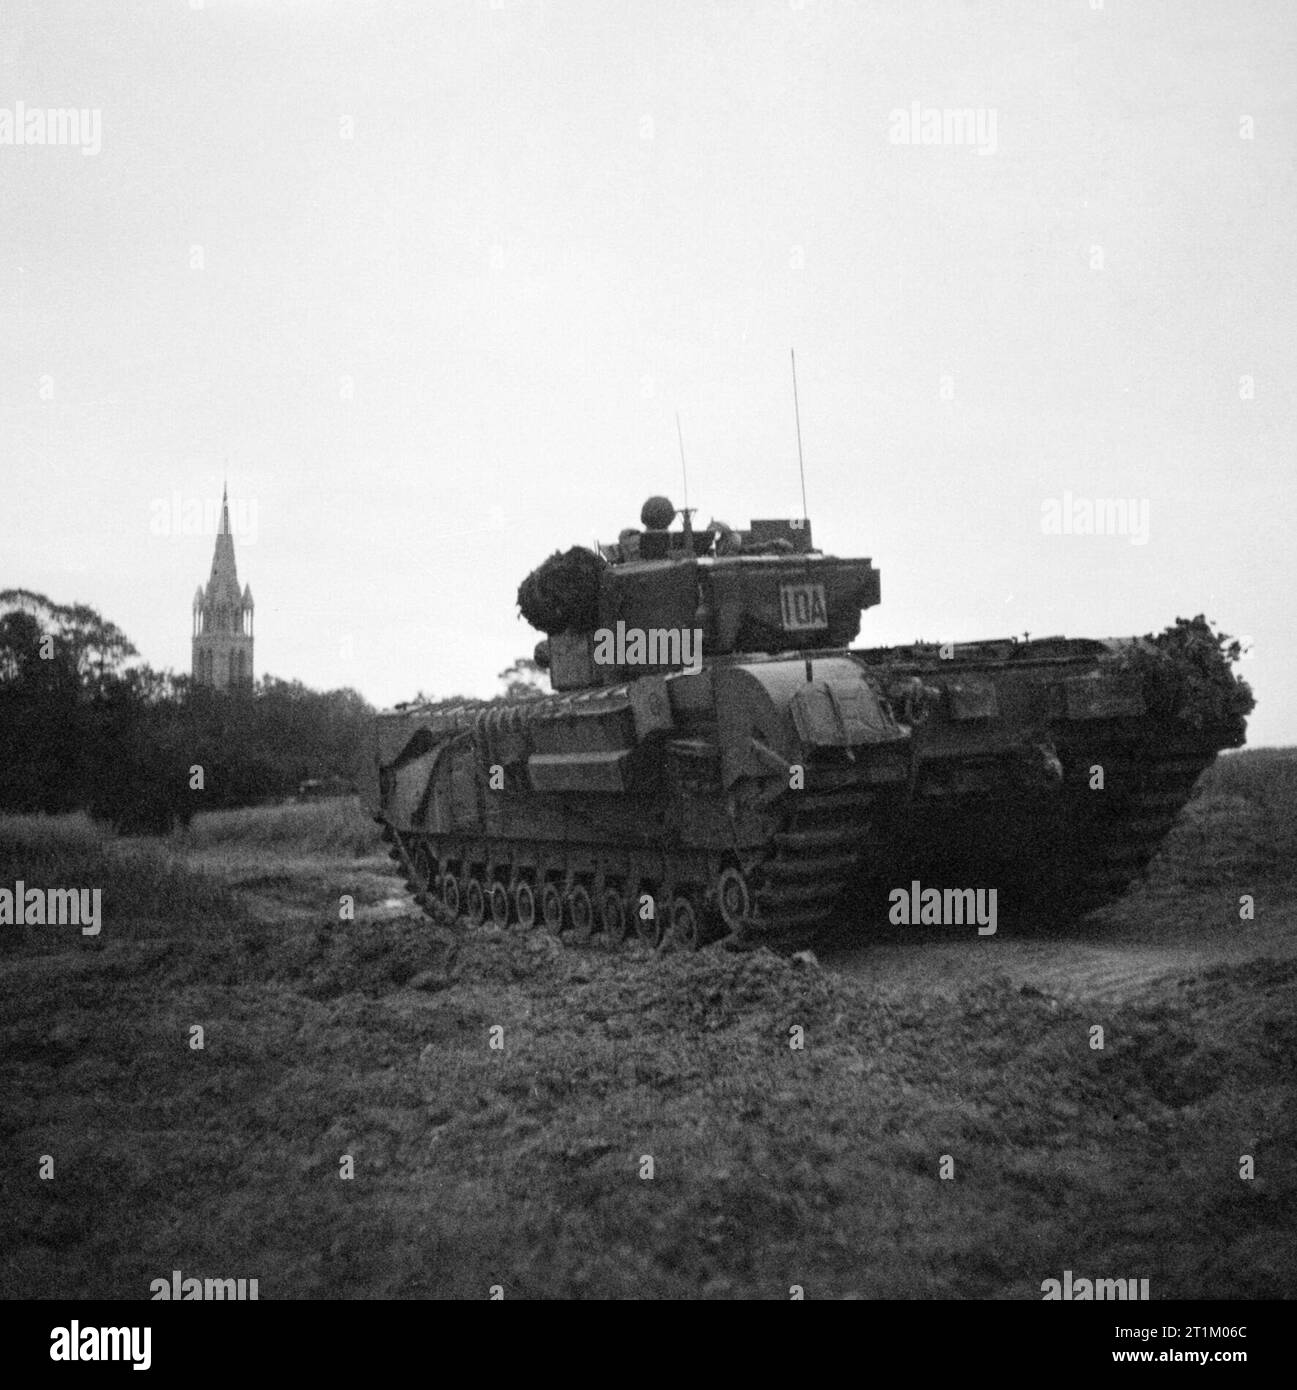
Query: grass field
x=336, y=827
x=524, y=1165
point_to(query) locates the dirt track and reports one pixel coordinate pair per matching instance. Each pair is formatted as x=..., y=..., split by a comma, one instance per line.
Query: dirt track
x=1149, y=937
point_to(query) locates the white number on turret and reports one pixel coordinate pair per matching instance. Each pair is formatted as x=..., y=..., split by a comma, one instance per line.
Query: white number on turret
x=803, y=607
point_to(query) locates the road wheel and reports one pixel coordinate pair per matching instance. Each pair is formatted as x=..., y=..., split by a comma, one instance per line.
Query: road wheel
x=499, y=899
x=551, y=908
x=686, y=926
x=450, y=894
x=613, y=917
x=524, y=905
x=733, y=899
x=580, y=912
x=649, y=928
x=475, y=902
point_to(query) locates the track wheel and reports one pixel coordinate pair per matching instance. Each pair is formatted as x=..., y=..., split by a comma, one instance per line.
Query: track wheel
x=651, y=929
x=475, y=901
x=450, y=894
x=613, y=917
x=733, y=899
x=524, y=905
x=551, y=908
x=580, y=912
x=686, y=925
x=498, y=899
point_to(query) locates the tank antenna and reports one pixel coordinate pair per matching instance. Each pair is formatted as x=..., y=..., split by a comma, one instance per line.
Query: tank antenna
x=797, y=415
x=686, y=511
x=684, y=472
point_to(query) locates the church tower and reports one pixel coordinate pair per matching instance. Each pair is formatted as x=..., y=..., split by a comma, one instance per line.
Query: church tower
x=222, y=634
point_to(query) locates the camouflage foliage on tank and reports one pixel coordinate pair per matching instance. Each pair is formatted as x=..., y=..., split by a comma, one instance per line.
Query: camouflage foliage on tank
x=562, y=595
x=1187, y=671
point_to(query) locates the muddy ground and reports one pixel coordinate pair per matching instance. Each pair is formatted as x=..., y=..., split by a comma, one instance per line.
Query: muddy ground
x=524, y=1166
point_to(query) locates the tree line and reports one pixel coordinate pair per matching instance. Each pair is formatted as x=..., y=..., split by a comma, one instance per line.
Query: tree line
x=84, y=726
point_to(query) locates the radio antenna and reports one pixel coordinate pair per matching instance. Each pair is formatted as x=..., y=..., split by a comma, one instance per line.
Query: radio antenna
x=684, y=472
x=797, y=415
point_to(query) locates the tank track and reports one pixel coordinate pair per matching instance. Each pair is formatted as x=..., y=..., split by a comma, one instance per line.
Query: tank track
x=1111, y=851
x=793, y=889
x=814, y=858
x=783, y=897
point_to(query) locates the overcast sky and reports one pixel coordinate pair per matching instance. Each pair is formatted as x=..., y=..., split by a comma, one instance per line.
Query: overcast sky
x=432, y=280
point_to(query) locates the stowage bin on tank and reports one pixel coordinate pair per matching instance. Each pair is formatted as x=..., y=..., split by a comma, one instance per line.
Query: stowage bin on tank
x=717, y=761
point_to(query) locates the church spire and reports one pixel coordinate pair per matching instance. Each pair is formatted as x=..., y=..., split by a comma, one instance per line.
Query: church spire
x=222, y=634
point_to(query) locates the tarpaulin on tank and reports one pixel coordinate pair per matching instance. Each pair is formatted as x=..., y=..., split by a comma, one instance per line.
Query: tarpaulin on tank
x=841, y=712
x=771, y=703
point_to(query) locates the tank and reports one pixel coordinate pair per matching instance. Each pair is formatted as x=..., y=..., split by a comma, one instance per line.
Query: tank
x=719, y=762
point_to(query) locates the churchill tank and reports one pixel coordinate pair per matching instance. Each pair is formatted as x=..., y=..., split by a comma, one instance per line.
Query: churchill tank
x=719, y=761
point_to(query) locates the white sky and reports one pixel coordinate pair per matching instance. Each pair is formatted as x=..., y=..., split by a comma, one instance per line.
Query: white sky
x=557, y=224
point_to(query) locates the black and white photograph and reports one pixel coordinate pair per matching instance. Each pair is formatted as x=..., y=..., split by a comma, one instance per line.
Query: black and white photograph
x=646, y=653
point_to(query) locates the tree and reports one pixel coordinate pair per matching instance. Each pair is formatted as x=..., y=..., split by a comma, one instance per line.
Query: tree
x=524, y=680
x=99, y=648
x=92, y=648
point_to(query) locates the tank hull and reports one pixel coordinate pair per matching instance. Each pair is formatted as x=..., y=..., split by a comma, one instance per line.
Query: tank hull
x=767, y=799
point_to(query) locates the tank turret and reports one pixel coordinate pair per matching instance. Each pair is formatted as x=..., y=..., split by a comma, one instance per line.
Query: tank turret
x=659, y=599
